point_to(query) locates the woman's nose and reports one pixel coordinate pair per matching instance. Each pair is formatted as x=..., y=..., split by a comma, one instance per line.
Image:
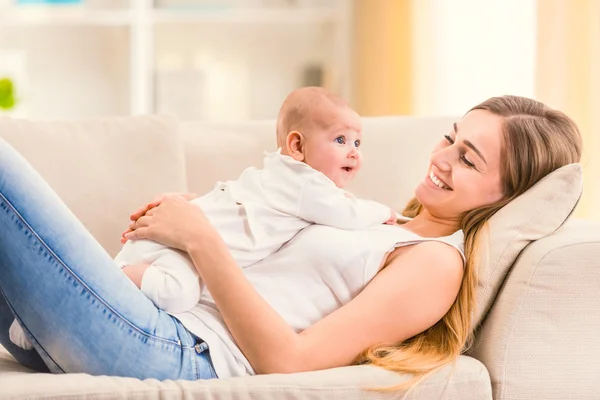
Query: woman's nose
x=442, y=159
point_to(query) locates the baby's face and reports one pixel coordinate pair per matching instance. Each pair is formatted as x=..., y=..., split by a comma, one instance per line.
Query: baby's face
x=333, y=145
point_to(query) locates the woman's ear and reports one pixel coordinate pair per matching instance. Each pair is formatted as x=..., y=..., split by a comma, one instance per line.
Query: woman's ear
x=295, y=145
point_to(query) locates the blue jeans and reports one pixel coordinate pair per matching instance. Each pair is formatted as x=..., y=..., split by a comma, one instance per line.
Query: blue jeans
x=79, y=310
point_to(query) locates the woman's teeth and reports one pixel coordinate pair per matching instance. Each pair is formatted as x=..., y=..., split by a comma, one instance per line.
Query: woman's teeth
x=437, y=182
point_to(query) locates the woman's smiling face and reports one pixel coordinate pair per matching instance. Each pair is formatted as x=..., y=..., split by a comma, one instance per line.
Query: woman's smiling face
x=464, y=172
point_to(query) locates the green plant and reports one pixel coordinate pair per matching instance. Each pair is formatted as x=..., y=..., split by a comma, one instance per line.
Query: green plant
x=7, y=94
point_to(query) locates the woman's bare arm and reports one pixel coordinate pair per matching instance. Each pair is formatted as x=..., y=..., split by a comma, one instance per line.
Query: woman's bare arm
x=412, y=293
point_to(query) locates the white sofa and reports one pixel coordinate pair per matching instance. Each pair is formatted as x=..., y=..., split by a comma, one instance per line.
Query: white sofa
x=540, y=339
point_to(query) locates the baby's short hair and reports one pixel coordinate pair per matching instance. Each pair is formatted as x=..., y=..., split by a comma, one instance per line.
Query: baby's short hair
x=297, y=111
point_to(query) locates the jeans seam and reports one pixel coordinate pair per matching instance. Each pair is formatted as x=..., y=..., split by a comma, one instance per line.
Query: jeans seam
x=193, y=358
x=78, y=279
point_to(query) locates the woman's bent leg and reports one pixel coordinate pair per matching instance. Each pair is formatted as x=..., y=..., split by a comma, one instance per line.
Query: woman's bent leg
x=81, y=312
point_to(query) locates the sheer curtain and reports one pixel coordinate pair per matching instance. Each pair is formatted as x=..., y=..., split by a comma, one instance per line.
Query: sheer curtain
x=568, y=78
x=465, y=51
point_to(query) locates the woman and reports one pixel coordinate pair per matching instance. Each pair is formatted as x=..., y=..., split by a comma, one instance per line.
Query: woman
x=396, y=296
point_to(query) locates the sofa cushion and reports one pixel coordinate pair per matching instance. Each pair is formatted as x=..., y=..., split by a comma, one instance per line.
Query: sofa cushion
x=535, y=214
x=220, y=152
x=130, y=159
x=470, y=381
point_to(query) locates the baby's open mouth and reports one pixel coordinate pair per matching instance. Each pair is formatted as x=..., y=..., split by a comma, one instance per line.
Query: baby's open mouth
x=347, y=169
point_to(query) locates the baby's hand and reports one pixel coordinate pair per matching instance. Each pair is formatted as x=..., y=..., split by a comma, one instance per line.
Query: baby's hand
x=392, y=219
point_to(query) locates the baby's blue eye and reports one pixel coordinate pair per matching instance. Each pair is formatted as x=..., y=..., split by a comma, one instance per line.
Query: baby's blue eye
x=357, y=143
x=340, y=140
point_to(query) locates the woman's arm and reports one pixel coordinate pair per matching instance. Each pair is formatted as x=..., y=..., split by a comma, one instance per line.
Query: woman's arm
x=413, y=292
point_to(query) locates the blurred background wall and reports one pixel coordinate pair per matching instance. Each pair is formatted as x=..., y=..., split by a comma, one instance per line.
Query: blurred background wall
x=237, y=59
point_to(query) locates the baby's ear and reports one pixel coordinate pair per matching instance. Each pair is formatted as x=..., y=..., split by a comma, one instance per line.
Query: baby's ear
x=294, y=143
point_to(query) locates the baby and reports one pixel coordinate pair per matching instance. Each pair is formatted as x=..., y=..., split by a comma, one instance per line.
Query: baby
x=300, y=184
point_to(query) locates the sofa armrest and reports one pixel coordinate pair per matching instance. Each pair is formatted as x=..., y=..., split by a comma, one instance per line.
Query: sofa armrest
x=541, y=337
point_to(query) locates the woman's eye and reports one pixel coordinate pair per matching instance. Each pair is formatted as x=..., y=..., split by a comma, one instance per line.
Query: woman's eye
x=357, y=143
x=463, y=159
x=340, y=140
x=467, y=162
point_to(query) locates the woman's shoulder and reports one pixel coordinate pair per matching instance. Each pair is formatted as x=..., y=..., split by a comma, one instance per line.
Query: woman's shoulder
x=455, y=241
x=432, y=249
x=436, y=255
x=440, y=251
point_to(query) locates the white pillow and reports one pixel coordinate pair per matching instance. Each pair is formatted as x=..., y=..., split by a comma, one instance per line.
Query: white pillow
x=537, y=213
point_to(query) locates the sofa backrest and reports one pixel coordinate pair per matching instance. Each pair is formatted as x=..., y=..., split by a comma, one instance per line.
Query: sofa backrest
x=395, y=149
x=103, y=169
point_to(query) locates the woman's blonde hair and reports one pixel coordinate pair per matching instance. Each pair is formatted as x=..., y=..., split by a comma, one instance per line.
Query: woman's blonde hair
x=536, y=141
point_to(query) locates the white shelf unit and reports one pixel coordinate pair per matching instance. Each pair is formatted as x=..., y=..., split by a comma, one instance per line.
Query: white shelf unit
x=120, y=57
x=32, y=17
x=247, y=16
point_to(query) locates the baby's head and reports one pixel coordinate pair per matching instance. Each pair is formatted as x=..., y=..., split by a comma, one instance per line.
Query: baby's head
x=320, y=129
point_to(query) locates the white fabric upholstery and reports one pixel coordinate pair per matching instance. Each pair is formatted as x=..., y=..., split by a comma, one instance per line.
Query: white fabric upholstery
x=540, y=339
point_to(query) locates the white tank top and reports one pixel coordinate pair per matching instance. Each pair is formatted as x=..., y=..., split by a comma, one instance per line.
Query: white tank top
x=317, y=272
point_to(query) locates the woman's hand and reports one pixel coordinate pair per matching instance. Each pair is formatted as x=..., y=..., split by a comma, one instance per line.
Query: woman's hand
x=154, y=203
x=174, y=222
